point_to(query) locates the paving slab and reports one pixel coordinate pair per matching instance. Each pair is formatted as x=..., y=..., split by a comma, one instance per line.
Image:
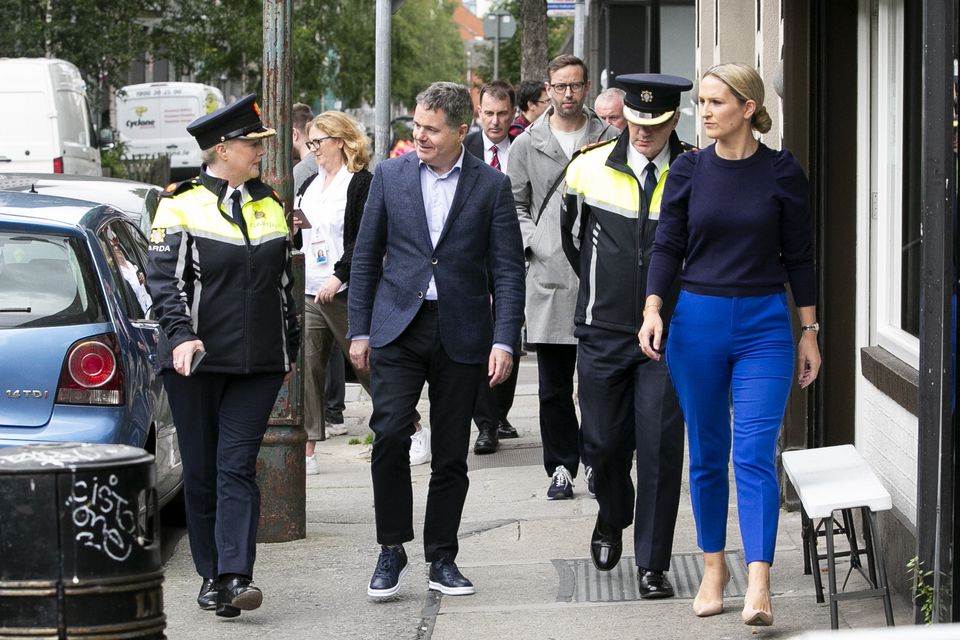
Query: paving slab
x=523, y=552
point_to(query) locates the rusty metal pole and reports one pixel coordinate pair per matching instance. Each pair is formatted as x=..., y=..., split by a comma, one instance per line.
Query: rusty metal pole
x=280, y=466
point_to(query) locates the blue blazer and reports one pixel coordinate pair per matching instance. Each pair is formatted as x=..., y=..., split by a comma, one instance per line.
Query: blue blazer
x=393, y=260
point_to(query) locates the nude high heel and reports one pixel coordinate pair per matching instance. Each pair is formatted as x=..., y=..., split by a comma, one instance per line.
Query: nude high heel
x=757, y=617
x=705, y=608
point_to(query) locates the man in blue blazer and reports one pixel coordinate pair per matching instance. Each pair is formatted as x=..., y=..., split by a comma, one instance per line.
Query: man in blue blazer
x=420, y=311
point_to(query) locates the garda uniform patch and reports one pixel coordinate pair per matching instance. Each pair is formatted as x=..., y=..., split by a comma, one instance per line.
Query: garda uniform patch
x=157, y=236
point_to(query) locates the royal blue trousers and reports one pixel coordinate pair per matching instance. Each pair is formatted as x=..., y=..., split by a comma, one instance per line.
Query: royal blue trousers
x=739, y=349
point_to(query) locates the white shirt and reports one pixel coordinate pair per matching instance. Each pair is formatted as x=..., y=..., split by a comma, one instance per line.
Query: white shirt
x=324, y=208
x=227, y=203
x=636, y=159
x=438, y=192
x=568, y=140
x=503, y=150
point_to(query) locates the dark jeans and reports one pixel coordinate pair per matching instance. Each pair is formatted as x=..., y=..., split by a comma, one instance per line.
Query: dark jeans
x=398, y=372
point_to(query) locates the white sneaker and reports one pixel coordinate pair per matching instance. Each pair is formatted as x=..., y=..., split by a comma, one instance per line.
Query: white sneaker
x=336, y=430
x=312, y=467
x=420, y=447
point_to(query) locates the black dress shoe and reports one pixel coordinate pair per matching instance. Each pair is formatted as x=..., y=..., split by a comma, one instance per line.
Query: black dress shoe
x=606, y=545
x=487, y=441
x=653, y=584
x=237, y=593
x=506, y=430
x=207, y=598
x=446, y=578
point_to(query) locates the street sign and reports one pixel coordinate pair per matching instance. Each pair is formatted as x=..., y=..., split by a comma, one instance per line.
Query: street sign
x=504, y=30
x=561, y=9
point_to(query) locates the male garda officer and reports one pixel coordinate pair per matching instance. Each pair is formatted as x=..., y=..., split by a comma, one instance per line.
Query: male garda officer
x=611, y=207
x=222, y=286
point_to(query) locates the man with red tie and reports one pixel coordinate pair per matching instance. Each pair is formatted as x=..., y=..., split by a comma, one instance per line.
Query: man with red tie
x=492, y=145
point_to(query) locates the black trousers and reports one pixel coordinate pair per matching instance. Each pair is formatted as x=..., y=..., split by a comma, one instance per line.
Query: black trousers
x=220, y=421
x=397, y=375
x=559, y=429
x=335, y=391
x=494, y=404
x=627, y=402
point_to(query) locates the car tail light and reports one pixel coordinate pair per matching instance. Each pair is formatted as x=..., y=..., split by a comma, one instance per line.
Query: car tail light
x=58, y=165
x=92, y=373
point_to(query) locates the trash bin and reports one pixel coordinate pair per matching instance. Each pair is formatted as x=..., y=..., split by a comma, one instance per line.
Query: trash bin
x=79, y=543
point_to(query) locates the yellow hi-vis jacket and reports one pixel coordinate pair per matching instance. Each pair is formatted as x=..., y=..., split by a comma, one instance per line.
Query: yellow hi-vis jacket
x=228, y=284
x=607, y=232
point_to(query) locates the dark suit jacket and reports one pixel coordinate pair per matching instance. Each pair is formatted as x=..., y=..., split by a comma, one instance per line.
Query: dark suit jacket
x=394, y=258
x=473, y=142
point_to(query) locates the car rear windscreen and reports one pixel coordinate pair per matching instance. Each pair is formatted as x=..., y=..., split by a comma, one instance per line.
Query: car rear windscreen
x=46, y=280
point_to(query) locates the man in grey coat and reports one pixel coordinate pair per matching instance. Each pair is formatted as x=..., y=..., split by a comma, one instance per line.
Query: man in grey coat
x=538, y=159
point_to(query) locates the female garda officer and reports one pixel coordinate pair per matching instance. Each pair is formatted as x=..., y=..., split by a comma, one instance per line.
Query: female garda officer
x=220, y=277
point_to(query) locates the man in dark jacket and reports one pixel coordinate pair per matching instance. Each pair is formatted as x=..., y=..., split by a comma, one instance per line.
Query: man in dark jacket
x=611, y=207
x=492, y=145
x=446, y=220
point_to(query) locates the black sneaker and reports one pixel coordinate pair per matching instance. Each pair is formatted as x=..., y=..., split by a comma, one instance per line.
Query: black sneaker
x=446, y=578
x=588, y=473
x=391, y=565
x=561, y=484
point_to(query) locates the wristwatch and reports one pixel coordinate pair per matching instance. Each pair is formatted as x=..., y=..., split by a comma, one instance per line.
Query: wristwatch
x=815, y=327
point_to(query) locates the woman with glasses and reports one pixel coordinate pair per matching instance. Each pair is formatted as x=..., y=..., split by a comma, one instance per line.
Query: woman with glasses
x=329, y=206
x=735, y=222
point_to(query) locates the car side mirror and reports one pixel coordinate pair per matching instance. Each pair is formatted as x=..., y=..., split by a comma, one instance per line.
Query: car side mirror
x=105, y=138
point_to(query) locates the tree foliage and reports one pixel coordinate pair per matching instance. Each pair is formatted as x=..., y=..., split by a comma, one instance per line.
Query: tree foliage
x=101, y=37
x=425, y=47
x=214, y=40
x=511, y=67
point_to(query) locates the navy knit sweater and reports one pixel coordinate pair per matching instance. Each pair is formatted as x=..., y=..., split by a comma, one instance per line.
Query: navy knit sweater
x=737, y=227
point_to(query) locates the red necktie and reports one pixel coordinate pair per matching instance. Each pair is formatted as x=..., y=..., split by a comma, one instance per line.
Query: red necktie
x=495, y=160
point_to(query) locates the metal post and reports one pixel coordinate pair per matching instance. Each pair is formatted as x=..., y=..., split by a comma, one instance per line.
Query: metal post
x=280, y=465
x=938, y=192
x=579, y=27
x=496, y=52
x=382, y=81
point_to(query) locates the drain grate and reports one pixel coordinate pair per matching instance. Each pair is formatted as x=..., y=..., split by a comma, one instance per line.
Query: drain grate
x=580, y=581
x=514, y=456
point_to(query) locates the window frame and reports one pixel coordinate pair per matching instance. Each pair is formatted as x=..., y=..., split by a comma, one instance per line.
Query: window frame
x=886, y=184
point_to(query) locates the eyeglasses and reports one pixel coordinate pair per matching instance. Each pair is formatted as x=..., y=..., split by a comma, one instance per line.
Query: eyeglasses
x=561, y=87
x=313, y=145
x=544, y=101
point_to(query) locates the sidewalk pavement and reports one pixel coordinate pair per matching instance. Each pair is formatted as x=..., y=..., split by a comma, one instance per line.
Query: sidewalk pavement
x=528, y=557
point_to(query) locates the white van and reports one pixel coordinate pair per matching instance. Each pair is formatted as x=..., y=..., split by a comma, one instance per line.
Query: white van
x=152, y=118
x=45, y=124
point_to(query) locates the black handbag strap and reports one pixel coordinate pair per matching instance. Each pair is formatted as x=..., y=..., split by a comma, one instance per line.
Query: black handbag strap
x=563, y=173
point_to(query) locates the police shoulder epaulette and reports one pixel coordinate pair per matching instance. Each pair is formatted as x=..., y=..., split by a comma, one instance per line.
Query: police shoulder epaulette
x=686, y=146
x=592, y=145
x=275, y=196
x=175, y=188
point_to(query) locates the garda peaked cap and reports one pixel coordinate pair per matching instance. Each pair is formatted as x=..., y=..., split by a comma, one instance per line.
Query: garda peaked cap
x=238, y=120
x=651, y=98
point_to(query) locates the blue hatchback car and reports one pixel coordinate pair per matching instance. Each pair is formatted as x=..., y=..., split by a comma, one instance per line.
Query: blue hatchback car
x=78, y=338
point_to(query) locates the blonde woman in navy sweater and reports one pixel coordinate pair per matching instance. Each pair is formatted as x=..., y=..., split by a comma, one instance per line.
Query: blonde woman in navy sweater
x=735, y=223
